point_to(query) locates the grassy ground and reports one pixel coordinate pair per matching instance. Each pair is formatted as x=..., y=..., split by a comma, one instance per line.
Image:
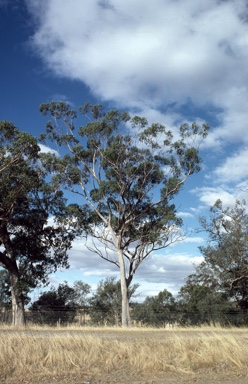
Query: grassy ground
x=92, y=355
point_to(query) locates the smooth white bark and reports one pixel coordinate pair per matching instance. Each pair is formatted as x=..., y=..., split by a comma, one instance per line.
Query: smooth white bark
x=125, y=316
x=18, y=313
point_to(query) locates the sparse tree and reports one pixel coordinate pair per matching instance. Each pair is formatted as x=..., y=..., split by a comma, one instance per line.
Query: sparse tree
x=126, y=174
x=82, y=291
x=225, y=262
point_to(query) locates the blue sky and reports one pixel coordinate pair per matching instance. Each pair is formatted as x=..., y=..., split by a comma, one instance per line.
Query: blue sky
x=173, y=61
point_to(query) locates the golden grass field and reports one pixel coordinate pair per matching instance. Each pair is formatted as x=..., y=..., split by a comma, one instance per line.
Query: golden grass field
x=115, y=355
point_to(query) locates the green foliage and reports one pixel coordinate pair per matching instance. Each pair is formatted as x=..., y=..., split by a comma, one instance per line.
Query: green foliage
x=218, y=290
x=125, y=174
x=14, y=145
x=55, y=306
x=82, y=290
x=225, y=256
x=119, y=170
x=156, y=310
x=202, y=303
x=105, y=303
x=31, y=248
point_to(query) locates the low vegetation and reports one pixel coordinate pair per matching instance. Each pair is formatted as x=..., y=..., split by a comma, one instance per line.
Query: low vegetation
x=146, y=352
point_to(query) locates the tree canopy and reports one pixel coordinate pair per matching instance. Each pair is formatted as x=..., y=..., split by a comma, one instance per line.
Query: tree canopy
x=225, y=264
x=201, y=302
x=156, y=310
x=31, y=246
x=56, y=306
x=126, y=173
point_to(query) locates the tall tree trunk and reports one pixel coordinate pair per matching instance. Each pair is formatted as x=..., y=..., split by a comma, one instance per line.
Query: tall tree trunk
x=125, y=312
x=18, y=313
x=9, y=262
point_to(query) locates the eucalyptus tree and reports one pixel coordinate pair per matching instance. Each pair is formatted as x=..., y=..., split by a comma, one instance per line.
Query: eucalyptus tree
x=82, y=291
x=225, y=264
x=31, y=247
x=125, y=175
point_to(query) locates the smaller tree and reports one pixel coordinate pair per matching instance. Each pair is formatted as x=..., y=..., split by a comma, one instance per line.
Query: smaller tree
x=201, y=302
x=156, y=310
x=106, y=302
x=226, y=255
x=56, y=306
x=82, y=291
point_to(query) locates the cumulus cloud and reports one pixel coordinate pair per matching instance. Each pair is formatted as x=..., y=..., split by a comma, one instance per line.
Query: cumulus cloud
x=152, y=54
x=209, y=195
x=234, y=167
x=168, y=270
x=169, y=60
x=228, y=181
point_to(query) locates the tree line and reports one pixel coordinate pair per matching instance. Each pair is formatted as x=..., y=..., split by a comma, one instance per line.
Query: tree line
x=77, y=304
x=125, y=174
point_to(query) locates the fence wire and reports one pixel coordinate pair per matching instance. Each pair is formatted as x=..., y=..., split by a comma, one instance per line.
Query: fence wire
x=112, y=316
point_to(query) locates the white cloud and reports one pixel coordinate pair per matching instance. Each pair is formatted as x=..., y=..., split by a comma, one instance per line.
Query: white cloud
x=157, y=57
x=209, y=195
x=60, y=97
x=242, y=189
x=193, y=240
x=197, y=210
x=185, y=214
x=149, y=54
x=234, y=168
x=168, y=270
x=171, y=270
x=46, y=149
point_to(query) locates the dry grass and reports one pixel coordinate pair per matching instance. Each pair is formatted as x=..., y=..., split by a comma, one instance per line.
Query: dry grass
x=46, y=351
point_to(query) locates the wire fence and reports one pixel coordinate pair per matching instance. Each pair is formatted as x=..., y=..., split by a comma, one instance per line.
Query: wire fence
x=86, y=316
